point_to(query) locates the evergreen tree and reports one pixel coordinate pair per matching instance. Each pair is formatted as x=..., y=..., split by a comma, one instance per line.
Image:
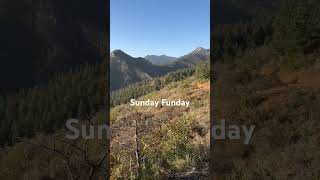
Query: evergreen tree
x=157, y=84
x=297, y=27
x=203, y=70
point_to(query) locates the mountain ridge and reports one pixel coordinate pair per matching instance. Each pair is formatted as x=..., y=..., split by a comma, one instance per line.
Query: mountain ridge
x=125, y=69
x=160, y=59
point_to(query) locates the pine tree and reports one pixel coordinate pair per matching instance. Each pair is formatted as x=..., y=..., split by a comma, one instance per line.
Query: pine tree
x=157, y=84
x=297, y=27
x=203, y=70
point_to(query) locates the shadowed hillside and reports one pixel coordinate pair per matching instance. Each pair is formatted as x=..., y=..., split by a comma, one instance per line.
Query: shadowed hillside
x=232, y=11
x=160, y=60
x=43, y=38
x=268, y=77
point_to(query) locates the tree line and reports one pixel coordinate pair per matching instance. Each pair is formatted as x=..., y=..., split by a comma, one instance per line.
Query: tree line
x=147, y=86
x=294, y=29
x=79, y=93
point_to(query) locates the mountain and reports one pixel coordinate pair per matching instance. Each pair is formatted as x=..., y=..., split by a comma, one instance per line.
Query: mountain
x=125, y=69
x=191, y=59
x=160, y=60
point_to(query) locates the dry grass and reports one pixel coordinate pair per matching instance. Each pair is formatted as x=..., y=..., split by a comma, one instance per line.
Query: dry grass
x=283, y=105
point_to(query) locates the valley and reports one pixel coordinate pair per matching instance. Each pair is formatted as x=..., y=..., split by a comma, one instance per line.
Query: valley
x=125, y=70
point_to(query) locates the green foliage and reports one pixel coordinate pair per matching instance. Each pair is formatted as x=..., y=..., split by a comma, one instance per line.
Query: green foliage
x=203, y=70
x=157, y=84
x=79, y=93
x=297, y=27
x=171, y=148
x=114, y=112
x=167, y=149
x=232, y=40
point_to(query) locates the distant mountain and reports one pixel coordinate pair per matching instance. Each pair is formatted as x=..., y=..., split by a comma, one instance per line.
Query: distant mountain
x=191, y=59
x=125, y=69
x=160, y=60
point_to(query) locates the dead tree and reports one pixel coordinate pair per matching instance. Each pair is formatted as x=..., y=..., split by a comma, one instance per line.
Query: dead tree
x=70, y=150
x=138, y=118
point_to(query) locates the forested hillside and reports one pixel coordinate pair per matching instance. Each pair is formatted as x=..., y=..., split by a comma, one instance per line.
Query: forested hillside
x=160, y=60
x=266, y=75
x=233, y=11
x=265, y=72
x=53, y=68
x=43, y=38
x=192, y=59
x=79, y=93
x=164, y=142
x=141, y=88
x=86, y=159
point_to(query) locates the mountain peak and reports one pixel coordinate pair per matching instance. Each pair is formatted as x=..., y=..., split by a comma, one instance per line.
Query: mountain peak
x=119, y=53
x=199, y=49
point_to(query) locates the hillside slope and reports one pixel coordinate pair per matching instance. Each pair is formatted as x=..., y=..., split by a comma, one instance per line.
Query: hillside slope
x=190, y=60
x=160, y=60
x=174, y=141
x=41, y=39
x=282, y=103
x=233, y=11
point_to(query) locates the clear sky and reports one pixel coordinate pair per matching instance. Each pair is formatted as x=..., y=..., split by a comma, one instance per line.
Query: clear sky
x=156, y=27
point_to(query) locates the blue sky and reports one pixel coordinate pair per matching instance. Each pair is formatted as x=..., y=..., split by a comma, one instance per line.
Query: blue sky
x=171, y=27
